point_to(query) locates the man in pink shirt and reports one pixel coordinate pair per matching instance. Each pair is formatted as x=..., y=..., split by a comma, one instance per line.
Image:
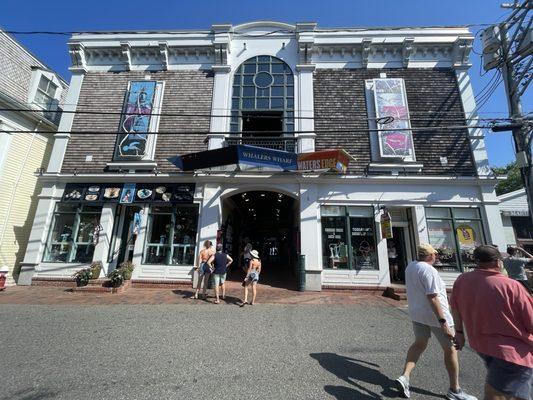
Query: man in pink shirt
x=498, y=315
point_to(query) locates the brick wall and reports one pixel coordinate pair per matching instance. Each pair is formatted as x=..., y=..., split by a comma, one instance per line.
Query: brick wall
x=340, y=93
x=187, y=92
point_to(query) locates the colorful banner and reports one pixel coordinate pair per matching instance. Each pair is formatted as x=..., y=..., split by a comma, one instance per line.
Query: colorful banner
x=264, y=157
x=391, y=101
x=135, y=124
x=325, y=160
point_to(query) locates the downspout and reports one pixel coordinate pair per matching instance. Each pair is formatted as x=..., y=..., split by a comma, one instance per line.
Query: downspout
x=17, y=182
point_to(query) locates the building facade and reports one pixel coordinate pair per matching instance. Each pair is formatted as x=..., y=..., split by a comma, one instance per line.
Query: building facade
x=516, y=220
x=162, y=151
x=25, y=142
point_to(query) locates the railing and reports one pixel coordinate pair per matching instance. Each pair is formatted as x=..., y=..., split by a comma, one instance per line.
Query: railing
x=269, y=142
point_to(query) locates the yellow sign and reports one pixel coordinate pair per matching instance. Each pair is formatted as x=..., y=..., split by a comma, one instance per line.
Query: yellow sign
x=386, y=225
x=466, y=234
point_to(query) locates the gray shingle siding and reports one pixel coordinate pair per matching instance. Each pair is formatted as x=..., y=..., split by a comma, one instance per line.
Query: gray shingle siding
x=186, y=92
x=340, y=93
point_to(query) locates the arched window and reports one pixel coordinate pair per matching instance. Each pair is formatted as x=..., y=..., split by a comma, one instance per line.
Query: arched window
x=263, y=97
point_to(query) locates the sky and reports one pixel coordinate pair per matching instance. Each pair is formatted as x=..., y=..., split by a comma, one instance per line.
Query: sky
x=68, y=15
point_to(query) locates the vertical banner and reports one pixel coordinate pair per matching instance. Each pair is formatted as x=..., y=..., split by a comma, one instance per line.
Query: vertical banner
x=135, y=123
x=386, y=225
x=128, y=193
x=390, y=100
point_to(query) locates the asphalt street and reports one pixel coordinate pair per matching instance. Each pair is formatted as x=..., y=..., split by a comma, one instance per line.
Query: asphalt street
x=203, y=351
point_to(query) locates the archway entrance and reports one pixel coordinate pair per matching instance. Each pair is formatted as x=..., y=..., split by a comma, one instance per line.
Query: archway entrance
x=270, y=222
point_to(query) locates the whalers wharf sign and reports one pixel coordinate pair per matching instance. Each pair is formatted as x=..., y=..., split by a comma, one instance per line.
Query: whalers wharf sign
x=251, y=156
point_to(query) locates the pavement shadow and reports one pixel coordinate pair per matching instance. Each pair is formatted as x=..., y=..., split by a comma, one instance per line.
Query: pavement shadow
x=355, y=372
x=184, y=293
x=187, y=294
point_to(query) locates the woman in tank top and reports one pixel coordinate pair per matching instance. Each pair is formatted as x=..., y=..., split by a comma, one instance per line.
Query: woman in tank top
x=203, y=268
x=252, y=277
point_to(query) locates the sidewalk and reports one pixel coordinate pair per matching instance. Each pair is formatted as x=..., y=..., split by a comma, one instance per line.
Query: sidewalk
x=181, y=295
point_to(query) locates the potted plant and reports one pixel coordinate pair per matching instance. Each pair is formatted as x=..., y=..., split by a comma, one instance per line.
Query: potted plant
x=127, y=268
x=116, y=277
x=82, y=277
x=96, y=268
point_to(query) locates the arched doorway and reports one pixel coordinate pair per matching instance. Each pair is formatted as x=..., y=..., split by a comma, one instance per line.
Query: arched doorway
x=270, y=222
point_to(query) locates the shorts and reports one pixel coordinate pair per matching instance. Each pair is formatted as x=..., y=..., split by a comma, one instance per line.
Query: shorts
x=204, y=269
x=512, y=379
x=219, y=279
x=253, y=277
x=423, y=331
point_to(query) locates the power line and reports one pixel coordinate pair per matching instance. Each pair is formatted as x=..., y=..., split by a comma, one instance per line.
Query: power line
x=418, y=130
x=382, y=120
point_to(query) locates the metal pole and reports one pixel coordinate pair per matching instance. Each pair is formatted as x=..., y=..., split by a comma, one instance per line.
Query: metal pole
x=520, y=133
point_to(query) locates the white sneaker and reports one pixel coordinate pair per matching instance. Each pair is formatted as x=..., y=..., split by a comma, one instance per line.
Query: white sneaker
x=402, y=383
x=459, y=395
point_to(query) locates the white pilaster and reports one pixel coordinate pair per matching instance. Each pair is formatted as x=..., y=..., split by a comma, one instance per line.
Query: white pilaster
x=310, y=235
x=38, y=235
x=305, y=109
x=220, y=106
x=382, y=254
x=101, y=250
x=477, y=141
x=492, y=220
x=210, y=213
x=420, y=225
x=65, y=125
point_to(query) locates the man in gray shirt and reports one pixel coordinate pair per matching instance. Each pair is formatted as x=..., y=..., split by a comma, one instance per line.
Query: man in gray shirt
x=516, y=266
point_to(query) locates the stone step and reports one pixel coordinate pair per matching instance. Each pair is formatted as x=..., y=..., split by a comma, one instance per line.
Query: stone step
x=395, y=293
x=102, y=288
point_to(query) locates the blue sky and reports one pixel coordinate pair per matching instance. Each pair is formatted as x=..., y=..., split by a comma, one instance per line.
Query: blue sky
x=68, y=15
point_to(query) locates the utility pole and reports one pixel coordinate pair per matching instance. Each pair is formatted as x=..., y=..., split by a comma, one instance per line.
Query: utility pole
x=509, y=46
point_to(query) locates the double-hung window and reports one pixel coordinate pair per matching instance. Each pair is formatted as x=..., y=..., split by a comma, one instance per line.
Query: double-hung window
x=45, y=96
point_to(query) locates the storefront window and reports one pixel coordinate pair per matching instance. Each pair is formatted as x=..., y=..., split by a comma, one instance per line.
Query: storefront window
x=455, y=233
x=73, y=234
x=341, y=252
x=362, y=238
x=171, y=235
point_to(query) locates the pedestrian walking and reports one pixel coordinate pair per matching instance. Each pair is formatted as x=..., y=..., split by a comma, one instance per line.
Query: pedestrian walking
x=516, y=265
x=219, y=262
x=497, y=313
x=203, y=269
x=252, y=277
x=246, y=254
x=430, y=314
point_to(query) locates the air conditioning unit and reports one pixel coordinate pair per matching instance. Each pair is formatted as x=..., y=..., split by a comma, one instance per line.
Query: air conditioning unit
x=490, y=38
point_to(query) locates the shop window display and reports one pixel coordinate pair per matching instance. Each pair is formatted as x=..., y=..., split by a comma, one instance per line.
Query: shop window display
x=356, y=252
x=171, y=235
x=74, y=234
x=455, y=233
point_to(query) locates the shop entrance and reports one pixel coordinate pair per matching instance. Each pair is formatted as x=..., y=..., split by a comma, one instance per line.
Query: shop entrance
x=270, y=222
x=125, y=233
x=399, y=253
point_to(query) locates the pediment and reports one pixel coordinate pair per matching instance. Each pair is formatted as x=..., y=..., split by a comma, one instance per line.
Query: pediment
x=261, y=27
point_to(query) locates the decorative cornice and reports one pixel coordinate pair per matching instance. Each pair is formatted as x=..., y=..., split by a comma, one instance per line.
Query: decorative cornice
x=407, y=50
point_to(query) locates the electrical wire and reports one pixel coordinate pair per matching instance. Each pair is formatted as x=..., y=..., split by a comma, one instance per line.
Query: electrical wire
x=418, y=130
x=381, y=120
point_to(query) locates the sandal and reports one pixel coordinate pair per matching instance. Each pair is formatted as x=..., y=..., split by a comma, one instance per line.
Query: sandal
x=217, y=301
x=243, y=304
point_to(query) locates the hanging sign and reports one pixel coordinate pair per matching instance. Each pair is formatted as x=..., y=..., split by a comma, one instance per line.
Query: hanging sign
x=324, y=160
x=386, y=225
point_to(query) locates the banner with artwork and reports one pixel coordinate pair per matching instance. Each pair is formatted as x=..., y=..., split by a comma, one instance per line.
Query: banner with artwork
x=135, y=123
x=391, y=101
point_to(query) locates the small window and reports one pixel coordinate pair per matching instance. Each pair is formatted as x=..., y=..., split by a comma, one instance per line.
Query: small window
x=45, y=94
